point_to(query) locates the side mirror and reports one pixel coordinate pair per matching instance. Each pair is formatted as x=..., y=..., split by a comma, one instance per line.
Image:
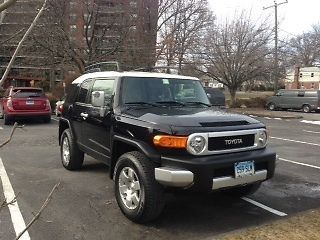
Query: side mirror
x=97, y=98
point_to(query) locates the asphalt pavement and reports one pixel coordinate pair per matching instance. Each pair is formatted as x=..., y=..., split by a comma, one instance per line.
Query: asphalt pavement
x=84, y=206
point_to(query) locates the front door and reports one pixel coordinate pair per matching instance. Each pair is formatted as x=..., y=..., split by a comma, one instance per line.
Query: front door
x=96, y=127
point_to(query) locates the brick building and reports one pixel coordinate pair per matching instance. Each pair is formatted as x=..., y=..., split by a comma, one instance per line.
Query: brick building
x=122, y=30
x=303, y=78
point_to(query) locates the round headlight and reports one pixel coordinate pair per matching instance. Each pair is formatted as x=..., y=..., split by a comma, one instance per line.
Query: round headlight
x=196, y=144
x=262, y=138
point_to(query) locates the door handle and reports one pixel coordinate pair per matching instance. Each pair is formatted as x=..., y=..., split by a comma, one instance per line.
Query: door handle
x=84, y=115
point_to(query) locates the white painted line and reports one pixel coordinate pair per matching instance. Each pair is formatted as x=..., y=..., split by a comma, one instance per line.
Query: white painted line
x=16, y=216
x=295, y=141
x=252, y=116
x=299, y=163
x=267, y=117
x=311, y=122
x=1, y=128
x=57, y=120
x=260, y=205
x=277, y=118
x=310, y=131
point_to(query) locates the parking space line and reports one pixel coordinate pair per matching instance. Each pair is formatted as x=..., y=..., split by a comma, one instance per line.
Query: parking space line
x=299, y=163
x=310, y=131
x=295, y=141
x=16, y=216
x=57, y=120
x=1, y=128
x=269, y=209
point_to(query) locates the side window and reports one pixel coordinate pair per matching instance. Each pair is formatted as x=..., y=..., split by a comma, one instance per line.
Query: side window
x=301, y=94
x=83, y=91
x=105, y=85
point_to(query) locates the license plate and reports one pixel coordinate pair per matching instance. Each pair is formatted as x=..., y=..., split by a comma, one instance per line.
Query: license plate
x=29, y=102
x=243, y=169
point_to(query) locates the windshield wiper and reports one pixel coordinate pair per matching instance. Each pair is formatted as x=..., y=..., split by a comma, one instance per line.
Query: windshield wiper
x=200, y=103
x=141, y=103
x=171, y=103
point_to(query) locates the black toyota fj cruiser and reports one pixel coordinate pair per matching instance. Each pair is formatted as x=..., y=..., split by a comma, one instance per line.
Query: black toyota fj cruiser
x=158, y=132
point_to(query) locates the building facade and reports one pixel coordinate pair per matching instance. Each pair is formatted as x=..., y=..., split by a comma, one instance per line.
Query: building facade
x=96, y=30
x=303, y=78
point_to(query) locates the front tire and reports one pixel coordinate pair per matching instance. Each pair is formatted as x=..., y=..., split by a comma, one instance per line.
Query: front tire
x=306, y=108
x=271, y=106
x=139, y=196
x=71, y=155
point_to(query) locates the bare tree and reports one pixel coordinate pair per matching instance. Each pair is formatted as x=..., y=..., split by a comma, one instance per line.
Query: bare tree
x=304, y=49
x=66, y=43
x=179, y=28
x=236, y=51
x=6, y=4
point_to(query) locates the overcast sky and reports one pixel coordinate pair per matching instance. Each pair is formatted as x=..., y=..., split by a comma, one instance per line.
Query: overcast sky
x=294, y=17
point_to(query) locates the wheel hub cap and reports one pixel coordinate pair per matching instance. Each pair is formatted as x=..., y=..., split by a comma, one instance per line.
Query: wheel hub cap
x=129, y=188
x=65, y=151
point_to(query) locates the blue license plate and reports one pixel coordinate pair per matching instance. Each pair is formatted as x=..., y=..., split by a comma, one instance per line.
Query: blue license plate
x=242, y=169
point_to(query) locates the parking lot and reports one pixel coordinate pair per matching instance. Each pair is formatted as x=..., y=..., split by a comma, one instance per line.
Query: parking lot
x=84, y=206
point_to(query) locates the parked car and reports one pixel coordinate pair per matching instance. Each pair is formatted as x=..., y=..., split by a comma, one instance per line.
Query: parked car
x=25, y=102
x=307, y=100
x=216, y=97
x=158, y=132
x=59, y=107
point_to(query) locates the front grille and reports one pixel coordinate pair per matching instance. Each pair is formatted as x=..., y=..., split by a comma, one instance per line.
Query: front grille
x=230, y=142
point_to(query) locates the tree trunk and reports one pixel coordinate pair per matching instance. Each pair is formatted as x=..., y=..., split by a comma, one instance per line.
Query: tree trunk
x=232, y=97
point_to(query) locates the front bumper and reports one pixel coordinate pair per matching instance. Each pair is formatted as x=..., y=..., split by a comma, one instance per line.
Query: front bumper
x=207, y=173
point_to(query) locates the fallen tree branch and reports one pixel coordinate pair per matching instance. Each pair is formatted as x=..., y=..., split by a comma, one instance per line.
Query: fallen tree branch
x=45, y=204
x=5, y=203
x=15, y=126
x=6, y=4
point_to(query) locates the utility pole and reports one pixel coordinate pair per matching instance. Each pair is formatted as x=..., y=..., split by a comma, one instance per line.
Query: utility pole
x=276, y=64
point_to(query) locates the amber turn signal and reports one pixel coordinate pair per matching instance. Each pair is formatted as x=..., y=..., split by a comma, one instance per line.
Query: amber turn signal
x=170, y=141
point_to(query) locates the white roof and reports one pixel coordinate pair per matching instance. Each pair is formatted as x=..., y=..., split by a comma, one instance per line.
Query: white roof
x=129, y=74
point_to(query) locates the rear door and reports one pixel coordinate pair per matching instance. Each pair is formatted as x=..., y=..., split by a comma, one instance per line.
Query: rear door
x=79, y=109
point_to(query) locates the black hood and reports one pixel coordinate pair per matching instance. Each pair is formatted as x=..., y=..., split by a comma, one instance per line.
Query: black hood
x=188, y=116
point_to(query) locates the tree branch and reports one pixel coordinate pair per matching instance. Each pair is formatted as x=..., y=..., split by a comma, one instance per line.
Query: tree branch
x=15, y=126
x=7, y=4
x=45, y=204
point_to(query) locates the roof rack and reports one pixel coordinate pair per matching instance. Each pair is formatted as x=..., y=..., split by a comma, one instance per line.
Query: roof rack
x=102, y=66
x=151, y=69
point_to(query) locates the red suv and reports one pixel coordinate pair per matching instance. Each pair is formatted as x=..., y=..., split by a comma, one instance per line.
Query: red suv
x=25, y=102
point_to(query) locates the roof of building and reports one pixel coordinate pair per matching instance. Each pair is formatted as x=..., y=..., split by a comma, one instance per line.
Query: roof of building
x=130, y=74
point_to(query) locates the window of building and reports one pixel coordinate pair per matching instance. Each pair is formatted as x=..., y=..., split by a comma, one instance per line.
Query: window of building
x=312, y=74
x=312, y=85
x=73, y=27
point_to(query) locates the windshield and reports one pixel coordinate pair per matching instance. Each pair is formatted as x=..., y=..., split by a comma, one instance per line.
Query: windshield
x=162, y=91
